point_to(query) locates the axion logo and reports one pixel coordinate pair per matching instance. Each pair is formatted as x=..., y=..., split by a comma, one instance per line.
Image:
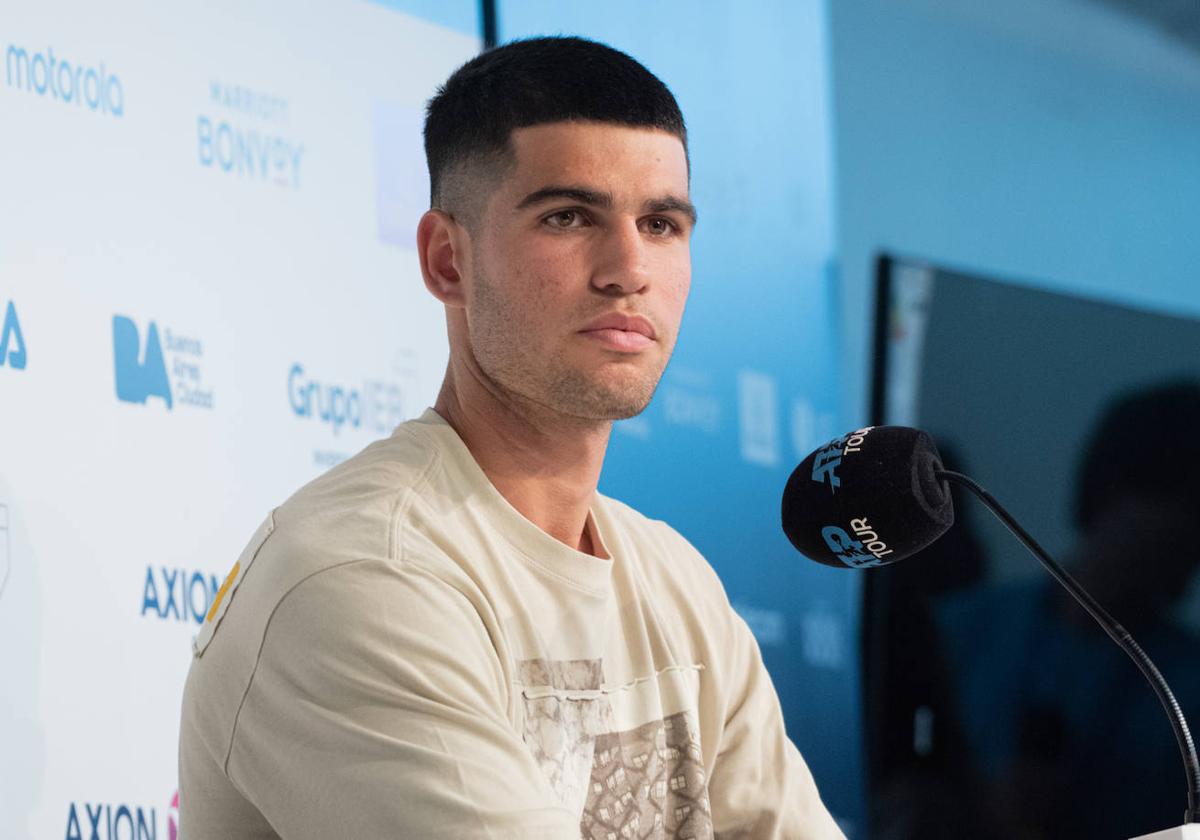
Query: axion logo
x=144, y=371
x=178, y=595
x=105, y=821
x=71, y=84
x=12, y=342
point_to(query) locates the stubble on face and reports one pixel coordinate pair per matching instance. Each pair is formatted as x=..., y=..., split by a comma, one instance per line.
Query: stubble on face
x=534, y=285
x=521, y=370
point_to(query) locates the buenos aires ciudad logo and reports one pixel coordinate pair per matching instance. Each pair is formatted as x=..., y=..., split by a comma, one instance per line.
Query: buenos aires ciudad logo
x=166, y=367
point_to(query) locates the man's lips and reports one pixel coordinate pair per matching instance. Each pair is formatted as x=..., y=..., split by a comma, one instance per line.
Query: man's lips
x=621, y=332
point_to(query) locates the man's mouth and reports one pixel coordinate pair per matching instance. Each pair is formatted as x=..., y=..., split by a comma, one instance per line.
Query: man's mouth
x=625, y=333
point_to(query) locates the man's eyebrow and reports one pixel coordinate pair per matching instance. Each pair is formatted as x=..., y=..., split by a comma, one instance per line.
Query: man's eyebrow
x=672, y=203
x=579, y=194
x=582, y=195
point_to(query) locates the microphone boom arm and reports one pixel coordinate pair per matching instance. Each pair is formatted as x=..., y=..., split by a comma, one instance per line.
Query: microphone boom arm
x=1116, y=632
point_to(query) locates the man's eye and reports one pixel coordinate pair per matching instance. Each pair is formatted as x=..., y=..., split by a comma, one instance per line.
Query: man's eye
x=565, y=219
x=660, y=226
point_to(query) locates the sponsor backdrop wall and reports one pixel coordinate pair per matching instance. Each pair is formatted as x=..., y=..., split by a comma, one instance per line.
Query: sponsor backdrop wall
x=209, y=295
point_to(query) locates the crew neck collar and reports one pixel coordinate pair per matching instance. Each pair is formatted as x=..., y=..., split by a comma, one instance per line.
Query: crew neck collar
x=539, y=548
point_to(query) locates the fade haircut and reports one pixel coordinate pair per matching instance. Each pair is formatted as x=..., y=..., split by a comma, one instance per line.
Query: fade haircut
x=469, y=122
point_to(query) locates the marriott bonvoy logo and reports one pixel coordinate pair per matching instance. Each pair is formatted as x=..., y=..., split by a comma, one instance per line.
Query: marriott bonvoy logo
x=88, y=84
x=246, y=133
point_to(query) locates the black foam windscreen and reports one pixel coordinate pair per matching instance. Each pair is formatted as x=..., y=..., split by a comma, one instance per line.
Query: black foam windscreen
x=868, y=499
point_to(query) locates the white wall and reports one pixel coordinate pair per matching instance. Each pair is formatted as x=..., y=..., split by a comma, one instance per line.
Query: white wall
x=1043, y=141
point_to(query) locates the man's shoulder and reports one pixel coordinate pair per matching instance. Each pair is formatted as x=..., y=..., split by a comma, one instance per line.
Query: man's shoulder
x=351, y=511
x=334, y=536
x=346, y=518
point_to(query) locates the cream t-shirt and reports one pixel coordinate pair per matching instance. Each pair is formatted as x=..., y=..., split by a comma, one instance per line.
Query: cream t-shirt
x=398, y=653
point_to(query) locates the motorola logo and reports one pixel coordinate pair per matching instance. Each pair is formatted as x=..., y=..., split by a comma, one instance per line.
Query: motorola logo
x=50, y=76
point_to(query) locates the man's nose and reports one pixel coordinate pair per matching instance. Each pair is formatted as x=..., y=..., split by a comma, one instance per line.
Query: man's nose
x=621, y=267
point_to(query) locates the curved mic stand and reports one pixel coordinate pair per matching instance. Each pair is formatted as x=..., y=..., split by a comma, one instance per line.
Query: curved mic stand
x=1118, y=634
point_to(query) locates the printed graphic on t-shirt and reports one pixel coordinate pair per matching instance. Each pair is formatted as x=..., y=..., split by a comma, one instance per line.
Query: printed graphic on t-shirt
x=644, y=782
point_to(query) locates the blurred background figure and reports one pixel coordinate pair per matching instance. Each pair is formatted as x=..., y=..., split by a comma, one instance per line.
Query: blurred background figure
x=1064, y=735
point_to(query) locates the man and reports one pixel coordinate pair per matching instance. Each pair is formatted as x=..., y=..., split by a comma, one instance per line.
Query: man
x=452, y=635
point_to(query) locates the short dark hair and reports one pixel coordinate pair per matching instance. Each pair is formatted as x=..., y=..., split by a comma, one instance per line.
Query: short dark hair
x=531, y=82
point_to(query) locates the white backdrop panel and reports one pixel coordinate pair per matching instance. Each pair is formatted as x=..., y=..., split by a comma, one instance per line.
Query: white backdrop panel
x=203, y=211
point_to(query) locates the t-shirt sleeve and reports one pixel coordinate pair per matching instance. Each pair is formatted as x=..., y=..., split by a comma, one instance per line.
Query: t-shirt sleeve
x=760, y=787
x=378, y=708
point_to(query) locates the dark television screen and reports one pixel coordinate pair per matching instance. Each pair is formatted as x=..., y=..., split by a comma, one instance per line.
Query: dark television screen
x=995, y=706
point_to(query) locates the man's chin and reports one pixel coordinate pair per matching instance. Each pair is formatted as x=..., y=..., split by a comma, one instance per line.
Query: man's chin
x=612, y=406
x=602, y=398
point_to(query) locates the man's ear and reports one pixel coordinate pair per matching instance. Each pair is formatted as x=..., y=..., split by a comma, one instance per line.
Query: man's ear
x=443, y=244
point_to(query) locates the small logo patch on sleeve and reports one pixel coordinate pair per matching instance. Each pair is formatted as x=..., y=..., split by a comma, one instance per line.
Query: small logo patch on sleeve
x=225, y=594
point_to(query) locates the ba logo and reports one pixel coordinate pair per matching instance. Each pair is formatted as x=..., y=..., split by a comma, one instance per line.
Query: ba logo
x=849, y=550
x=140, y=375
x=12, y=342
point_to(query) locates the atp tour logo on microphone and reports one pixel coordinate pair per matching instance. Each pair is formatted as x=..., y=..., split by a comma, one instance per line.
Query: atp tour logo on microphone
x=827, y=460
x=12, y=340
x=245, y=135
x=119, y=821
x=166, y=368
x=862, y=551
x=56, y=78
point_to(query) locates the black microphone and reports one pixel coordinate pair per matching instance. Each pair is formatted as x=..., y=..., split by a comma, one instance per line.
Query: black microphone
x=868, y=499
x=880, y=494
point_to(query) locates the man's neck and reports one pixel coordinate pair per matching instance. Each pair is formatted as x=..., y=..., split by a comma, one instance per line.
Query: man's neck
x=545, y=464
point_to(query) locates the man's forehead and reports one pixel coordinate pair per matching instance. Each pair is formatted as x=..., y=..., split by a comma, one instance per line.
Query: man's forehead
x=612, y=156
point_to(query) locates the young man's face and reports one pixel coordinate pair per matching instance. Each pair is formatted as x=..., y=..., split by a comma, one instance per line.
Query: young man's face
x=580, y=267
